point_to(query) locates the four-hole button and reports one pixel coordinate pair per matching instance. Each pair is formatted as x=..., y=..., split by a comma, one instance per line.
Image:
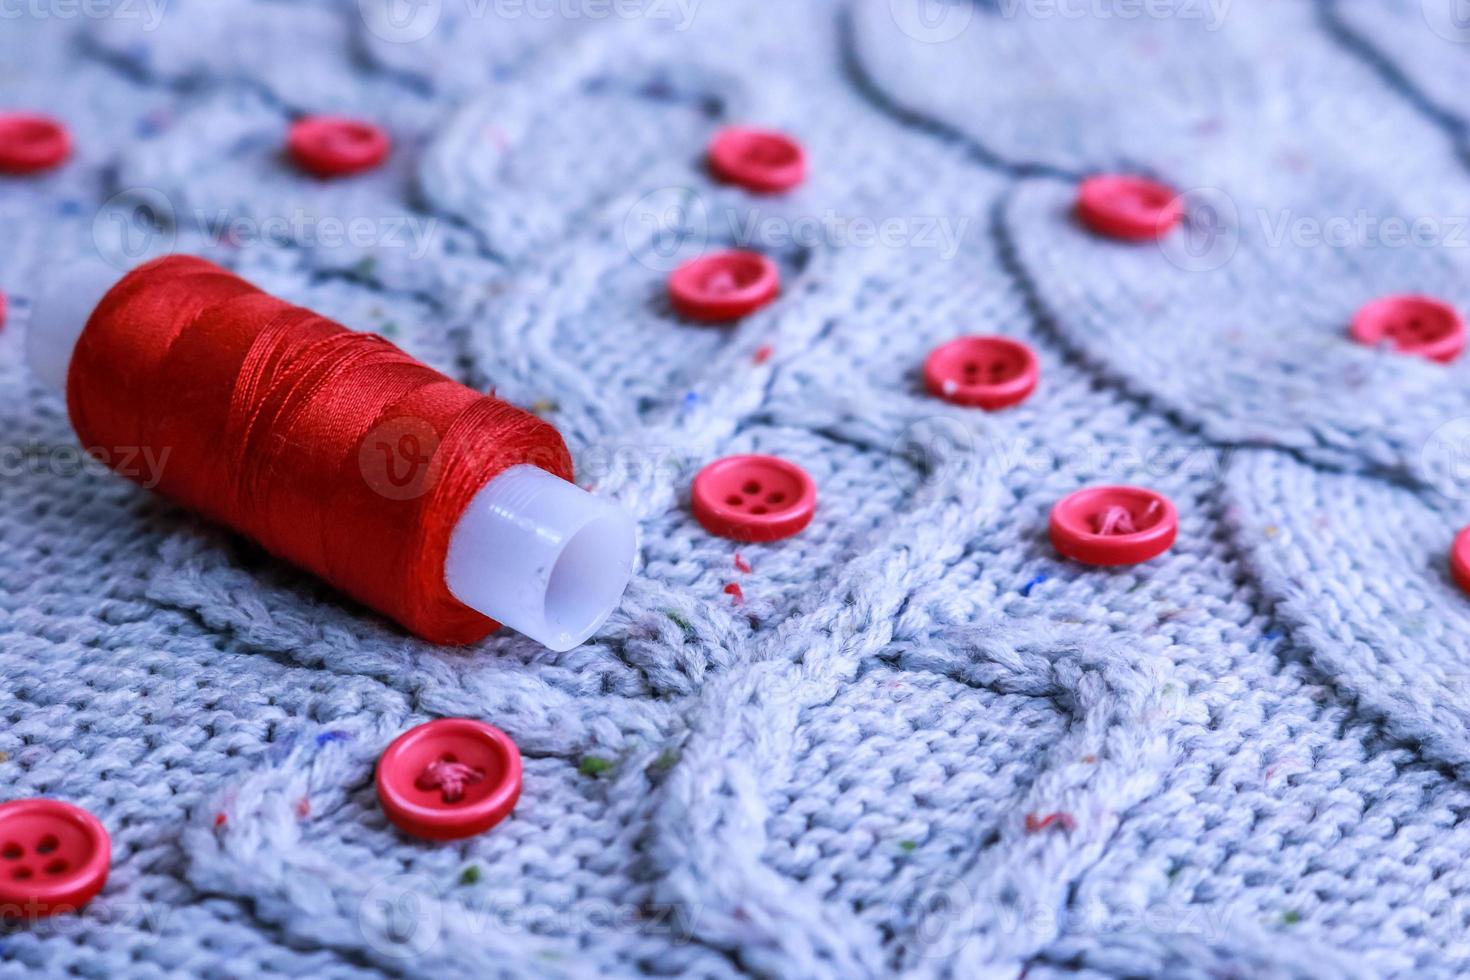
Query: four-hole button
x=1416, y=325
x=754, y=498
x=54, y=858
x=985, y=372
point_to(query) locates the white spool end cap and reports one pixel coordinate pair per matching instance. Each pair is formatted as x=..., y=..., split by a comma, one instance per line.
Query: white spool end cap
x=59, y=313
x=542, y=556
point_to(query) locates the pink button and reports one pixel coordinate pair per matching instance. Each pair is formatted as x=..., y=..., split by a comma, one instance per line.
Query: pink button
x=759, y=160
x=724, y=286
x=1113, y=525
x=1413, y=325
x=30, y=143
x=330, y=146
x=987, y=372
x=1131, y=208
x=754, y=498
x=1460, y=559
x=448, y=779
x=54, y=858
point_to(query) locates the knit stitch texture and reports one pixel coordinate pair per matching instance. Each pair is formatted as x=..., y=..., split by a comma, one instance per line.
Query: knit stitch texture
x=914, y=740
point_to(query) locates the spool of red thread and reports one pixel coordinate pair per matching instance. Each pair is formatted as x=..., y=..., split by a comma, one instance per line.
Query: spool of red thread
x=442, y=508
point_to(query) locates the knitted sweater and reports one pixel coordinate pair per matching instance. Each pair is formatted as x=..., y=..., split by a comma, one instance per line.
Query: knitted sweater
x=915, y=740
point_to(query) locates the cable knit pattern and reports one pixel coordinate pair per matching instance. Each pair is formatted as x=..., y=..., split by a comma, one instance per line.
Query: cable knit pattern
x=914, y=740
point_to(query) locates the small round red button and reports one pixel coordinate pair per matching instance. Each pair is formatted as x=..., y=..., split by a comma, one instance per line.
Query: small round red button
x=1126, y=207
x=724, y=286
x=754, y=498
x=330, y=146
x=1113, y=525
x=30, y=143
x=988, y=372
x=1414, y=325
x=1460, y=559
x=759, y=160
x=448, y=779
x=54, y=858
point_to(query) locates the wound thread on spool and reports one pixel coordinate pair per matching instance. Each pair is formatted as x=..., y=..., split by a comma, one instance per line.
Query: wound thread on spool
x=428, y=501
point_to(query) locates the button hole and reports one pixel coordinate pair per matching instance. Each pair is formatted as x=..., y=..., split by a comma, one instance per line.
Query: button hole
x=57, y=867
x=11, y=851
x=48, y=844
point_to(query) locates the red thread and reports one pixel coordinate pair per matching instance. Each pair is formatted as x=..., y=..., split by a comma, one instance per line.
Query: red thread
x=1035, y=823
x=330, y=448
x=735, y=590
x=742, y=564
x=450, y=778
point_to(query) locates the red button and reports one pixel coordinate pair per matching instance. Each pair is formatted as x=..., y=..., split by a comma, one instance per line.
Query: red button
x=754, y=498
x=1414, y=325
x=1460, y=559
x=1128, y=207
x=329, y=146
x=451, y=778
x=988, y=372
x=724, y=286
x=30, y=143
x=760, y=160
x=54, y=858
x=1113, y=525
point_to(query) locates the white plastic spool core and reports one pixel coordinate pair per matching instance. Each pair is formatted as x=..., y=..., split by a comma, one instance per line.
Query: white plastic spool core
x=531, y=551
